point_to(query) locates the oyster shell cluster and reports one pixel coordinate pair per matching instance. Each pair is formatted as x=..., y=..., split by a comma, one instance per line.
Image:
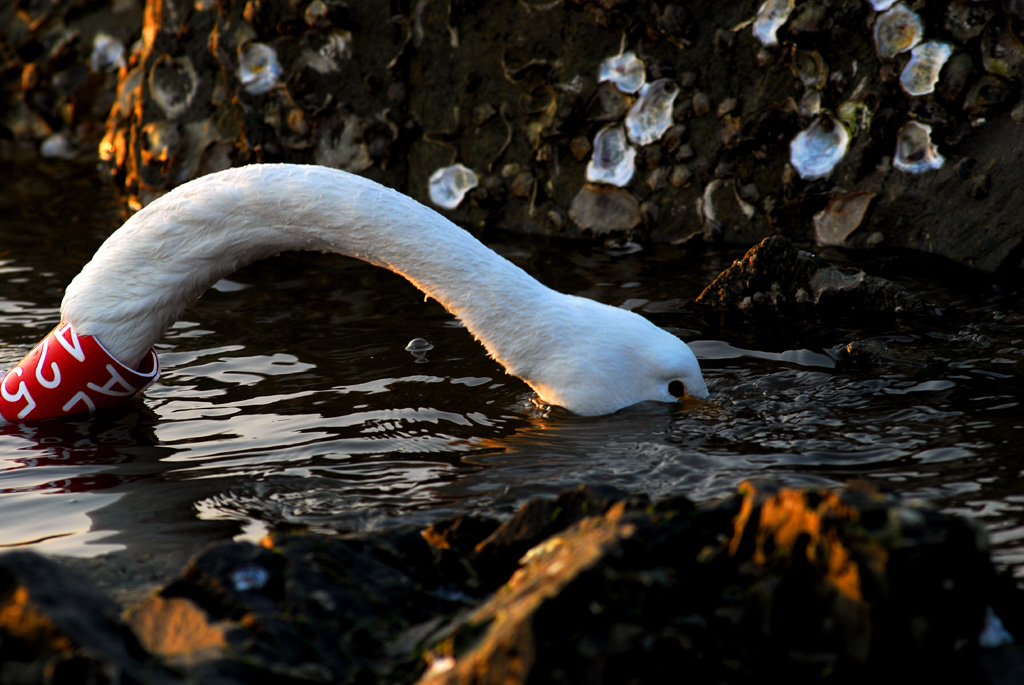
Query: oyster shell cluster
x=717, y=114
x=817, y=150
x=646, y=121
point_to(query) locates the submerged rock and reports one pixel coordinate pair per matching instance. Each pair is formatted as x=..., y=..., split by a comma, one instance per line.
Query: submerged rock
x=776, y=276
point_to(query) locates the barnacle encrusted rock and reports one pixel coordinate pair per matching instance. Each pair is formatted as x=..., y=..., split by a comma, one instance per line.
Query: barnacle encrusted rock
x=775, y=276
x=204, y=85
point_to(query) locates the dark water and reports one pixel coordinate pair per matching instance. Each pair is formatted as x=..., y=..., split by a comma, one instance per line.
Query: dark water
x=288, y=399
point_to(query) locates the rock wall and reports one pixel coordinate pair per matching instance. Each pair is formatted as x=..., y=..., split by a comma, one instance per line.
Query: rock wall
x=511, y=91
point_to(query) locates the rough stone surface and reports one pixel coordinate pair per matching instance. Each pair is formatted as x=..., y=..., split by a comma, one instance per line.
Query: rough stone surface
x=595, y=586
x=775, y=276
x=809, y=586
x=53, y=628
x=395, y=91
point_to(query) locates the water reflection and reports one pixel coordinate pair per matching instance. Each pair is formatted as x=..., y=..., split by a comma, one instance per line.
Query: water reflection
x=289, y=399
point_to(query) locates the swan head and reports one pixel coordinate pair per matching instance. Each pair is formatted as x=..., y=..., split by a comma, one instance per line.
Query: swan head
x=609, y=358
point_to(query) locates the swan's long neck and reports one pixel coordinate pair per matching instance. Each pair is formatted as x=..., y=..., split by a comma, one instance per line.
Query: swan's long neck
x=168, y=254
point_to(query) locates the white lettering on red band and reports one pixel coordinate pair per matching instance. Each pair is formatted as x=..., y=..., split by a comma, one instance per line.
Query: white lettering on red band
x=22, y=392
x=74, y=376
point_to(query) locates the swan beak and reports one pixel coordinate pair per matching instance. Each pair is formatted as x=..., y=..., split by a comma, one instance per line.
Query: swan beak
x=696, y=397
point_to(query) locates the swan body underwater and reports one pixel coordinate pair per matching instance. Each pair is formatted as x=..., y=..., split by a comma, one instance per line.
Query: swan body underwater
x=585, y=356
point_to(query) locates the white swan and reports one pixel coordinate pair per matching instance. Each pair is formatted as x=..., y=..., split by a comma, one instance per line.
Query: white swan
x=588, y=357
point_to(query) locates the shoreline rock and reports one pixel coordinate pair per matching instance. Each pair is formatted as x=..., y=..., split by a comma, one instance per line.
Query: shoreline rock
x=817, y=586
x=512, y=92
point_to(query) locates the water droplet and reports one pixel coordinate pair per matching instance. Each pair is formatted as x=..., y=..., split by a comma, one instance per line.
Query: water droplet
x=249, y=577
x=107, y=53
x=419, y=347
x=816, y=151
x=651, y=114
x=613, y=159
x=921, y=73
x=626, y=71
x=915, y=152
x=772, y=15
x=258, y=68
x=449, y=185
x=896, y=31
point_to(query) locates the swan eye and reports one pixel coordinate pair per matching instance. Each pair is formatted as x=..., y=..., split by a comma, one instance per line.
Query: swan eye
x=676, y=389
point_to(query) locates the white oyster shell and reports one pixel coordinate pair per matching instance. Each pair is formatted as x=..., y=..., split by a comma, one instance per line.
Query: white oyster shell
x=173, y=83
x=897, y=30
x=613, y=159
x=921, y=73
x=258, y=67
x=626, y=71
x=915, y=152
x=449, y=185
x=815, y=151
x=107, y=53
x=772, y=15
x=651, y=114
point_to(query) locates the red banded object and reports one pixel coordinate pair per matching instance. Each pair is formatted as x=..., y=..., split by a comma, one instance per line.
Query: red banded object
x=69, y=374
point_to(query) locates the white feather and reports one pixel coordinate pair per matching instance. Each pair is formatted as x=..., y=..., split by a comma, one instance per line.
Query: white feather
x=576, y=353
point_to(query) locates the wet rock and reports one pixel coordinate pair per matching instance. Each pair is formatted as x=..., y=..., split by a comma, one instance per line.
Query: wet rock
x=775, y=276
x=809, y=585
x=55, y=628
x=60, y=70
x=594, y=586
x=177, y=630
x=496, y=556
x=329, y=609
